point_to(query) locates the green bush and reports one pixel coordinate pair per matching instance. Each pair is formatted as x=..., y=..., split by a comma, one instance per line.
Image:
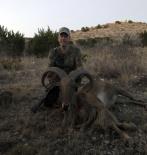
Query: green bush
x=72, y=31
x=130, y=21
x=98, y=26
x=91, y=42
x=143, y=37
x=85, y=29
x=81, y=42
x=105, y=26
x=11, y=43
x=131, y=40
x=127, y=40
x=42, y=42
x=3, y=36
x=16, y=43
x=104, y=40
x=117, y=22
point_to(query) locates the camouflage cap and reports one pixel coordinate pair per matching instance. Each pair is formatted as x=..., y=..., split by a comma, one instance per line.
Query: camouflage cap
x=64, y=30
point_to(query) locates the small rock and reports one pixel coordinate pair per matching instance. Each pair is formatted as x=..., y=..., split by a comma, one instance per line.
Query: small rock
x=145, y=128
x=106, y=142
x=93, y=138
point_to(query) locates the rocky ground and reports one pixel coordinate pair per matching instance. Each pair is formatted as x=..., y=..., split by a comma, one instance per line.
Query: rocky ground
x=23, y=132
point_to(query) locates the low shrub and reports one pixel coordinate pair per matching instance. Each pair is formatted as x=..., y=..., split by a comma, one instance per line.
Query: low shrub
x=85, y=29
x=11, y=64
x=98, y=26
x=117, y=22
x=143, y=37
x=130, y=21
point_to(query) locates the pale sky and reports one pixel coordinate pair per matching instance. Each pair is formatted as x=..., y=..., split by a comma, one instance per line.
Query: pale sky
x=26, y=16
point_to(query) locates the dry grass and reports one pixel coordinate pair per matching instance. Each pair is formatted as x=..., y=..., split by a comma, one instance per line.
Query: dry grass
x=26, y=73
x=118, y=63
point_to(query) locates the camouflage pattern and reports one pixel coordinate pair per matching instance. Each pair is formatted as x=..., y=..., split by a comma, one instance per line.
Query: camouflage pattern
x=68, y=61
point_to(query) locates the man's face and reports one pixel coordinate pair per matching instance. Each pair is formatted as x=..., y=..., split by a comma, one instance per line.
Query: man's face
x=63, y=39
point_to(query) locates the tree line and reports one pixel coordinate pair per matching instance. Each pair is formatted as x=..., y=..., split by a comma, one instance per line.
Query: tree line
x=14, y=44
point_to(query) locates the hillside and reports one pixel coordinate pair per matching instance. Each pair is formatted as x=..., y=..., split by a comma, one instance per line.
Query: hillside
x=112, y=30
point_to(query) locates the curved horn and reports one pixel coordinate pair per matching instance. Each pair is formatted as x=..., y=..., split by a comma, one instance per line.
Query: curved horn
x=60, y=73
x=79, y=73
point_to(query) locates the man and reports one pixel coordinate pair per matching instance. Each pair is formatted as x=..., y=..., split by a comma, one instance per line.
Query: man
x=67, y=56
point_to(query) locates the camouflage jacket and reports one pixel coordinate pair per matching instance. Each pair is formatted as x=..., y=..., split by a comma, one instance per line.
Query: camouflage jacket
x=68, y=61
